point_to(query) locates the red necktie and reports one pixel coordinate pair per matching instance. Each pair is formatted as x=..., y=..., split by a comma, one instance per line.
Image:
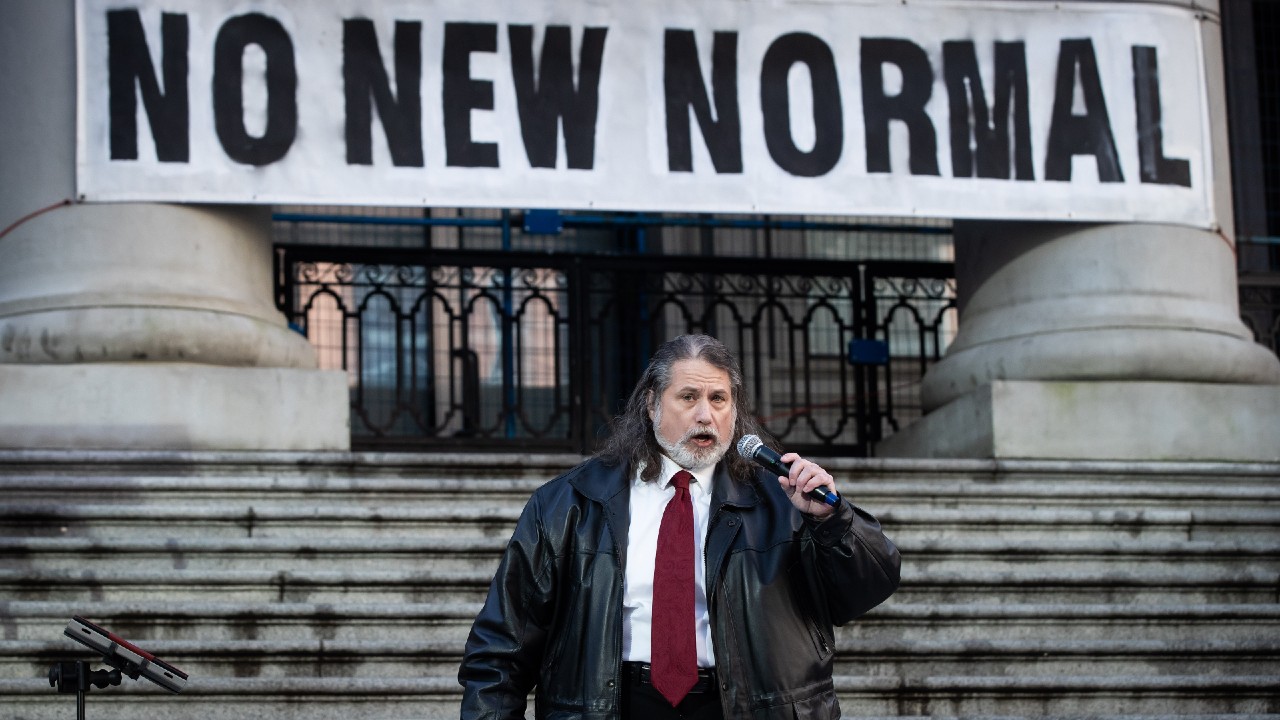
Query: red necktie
x=674, y=652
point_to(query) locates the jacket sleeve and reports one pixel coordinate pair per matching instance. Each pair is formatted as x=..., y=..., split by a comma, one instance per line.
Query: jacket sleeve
x=501, y=661
x=849, y=562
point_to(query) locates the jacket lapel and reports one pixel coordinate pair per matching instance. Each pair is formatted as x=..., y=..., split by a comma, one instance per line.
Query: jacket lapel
x=729, y=499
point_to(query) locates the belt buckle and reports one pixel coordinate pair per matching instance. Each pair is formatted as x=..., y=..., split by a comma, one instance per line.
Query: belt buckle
x=642, y=673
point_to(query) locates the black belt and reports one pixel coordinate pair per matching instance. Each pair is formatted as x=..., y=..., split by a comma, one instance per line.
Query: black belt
x=639, y=673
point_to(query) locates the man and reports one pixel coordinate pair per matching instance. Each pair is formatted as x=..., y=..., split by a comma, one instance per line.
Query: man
x=630, y=589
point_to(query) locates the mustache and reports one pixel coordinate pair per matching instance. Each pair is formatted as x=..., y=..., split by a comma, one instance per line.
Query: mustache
x=699, y=431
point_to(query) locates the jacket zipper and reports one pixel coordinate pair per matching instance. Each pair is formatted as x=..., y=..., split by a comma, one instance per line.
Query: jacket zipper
x=621, y=584
x=817, y=631
x=711, y=591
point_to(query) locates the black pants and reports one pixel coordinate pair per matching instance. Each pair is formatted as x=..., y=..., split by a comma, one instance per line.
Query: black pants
x=642, y=701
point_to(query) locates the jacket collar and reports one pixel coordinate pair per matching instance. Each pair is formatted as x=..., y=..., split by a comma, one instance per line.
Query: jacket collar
x=728, y=491
x=604, y=484
x=610, y=486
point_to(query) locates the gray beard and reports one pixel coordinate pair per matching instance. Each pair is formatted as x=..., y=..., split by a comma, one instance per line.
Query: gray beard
x=687, y=458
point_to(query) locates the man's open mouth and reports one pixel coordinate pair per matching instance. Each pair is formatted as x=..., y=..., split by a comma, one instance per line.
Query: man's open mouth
x=704, y=439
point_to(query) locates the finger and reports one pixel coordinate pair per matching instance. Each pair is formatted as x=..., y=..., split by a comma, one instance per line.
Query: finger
x=790, y=458
x=803, y=472
x=820, y=478
x=798, y=466
x=787, y=485
x=816, y=478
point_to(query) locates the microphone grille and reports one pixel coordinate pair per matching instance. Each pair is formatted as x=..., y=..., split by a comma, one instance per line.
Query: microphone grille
x=748, y=444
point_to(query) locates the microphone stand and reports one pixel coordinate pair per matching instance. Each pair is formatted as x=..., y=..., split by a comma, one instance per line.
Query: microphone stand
x=75, y=677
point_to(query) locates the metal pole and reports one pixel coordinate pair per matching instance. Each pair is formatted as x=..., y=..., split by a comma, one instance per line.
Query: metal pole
x=82, y=686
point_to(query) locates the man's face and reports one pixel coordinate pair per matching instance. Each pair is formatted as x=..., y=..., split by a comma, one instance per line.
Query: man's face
x=694, y=418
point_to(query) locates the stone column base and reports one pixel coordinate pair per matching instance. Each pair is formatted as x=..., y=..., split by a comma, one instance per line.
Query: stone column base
x=172, y=406
x=1099, y=421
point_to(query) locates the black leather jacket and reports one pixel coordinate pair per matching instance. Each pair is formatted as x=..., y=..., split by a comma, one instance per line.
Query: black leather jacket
x=777, y=583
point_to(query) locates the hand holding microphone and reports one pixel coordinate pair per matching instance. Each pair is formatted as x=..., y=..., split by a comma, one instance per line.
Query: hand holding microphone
x=753, y=448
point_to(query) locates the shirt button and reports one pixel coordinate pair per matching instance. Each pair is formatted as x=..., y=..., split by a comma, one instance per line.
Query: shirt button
x=610, y=683
x=733, y=523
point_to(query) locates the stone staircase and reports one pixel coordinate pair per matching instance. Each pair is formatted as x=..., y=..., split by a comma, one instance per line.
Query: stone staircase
x=325, y=586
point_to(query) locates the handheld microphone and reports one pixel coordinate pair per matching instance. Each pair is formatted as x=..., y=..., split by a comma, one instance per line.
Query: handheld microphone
x=753, y=448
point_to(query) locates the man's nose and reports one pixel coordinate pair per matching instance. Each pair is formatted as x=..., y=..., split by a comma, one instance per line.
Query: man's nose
x=702, y=412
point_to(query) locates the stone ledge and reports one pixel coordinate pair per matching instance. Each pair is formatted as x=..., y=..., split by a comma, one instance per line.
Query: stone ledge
x=345, y=461
x=184, y=406
x=1117, y=421
x=352, y=460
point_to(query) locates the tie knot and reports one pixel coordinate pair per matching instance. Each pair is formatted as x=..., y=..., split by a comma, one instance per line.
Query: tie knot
x=682, y=479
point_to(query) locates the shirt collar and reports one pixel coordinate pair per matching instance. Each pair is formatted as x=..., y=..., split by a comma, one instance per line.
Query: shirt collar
x=704, y=475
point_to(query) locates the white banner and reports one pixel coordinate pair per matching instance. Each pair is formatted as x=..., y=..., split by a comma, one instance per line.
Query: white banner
x=1031, y=110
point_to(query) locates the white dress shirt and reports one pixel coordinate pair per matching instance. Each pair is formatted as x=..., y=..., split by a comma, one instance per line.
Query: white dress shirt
x=648, y=501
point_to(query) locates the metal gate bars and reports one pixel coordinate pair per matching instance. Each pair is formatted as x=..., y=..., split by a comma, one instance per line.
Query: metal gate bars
x=519, y=350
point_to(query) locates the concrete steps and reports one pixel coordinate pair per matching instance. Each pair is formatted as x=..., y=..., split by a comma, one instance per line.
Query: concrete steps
x=276, y=519
x=1040, y=657
x=447, y=622
x=996, y=556
x=359, y=643
x=333, y=585
x=1136, y=697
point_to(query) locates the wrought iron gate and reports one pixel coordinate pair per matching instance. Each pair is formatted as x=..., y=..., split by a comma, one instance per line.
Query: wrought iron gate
x=512, y=350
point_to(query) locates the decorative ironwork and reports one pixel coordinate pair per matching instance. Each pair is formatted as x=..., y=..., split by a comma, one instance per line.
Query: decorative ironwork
x=518, y=350
x=917, y=316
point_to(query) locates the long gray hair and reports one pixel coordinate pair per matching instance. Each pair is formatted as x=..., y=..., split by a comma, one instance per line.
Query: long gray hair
x=633, y=441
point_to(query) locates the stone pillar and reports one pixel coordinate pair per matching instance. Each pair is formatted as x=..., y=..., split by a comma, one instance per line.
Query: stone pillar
x=128, y=325
x=1102, y=341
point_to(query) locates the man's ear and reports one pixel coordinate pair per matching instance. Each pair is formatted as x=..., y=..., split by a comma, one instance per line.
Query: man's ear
x=648, y=402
